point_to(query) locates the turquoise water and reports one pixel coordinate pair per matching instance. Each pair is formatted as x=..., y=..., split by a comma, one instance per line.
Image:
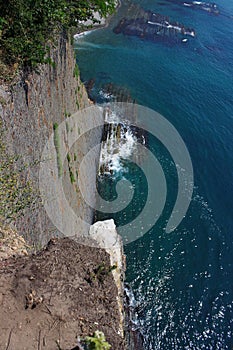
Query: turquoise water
x=182, y=280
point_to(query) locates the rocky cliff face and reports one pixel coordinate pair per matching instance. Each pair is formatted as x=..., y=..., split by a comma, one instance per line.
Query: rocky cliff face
x=29, y=110
x=105, y=233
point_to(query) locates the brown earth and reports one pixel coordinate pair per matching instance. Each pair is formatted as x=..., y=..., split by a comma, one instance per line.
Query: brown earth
x=11, y=244
x=49, y=299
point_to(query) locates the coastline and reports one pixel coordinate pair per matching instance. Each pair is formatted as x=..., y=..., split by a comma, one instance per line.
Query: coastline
x=185, y=60
x=89, y=26
x=133, y=335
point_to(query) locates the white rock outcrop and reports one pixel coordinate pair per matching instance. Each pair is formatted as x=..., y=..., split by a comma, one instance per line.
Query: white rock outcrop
x=105, y=234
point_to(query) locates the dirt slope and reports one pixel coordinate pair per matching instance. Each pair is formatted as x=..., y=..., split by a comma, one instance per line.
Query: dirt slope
x=49, y=299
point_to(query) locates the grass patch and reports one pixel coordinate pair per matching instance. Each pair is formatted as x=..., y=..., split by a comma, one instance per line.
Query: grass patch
x=16, y=193
x=76, y=71
x=57, y=144
x=100, y=272
x=72, y=178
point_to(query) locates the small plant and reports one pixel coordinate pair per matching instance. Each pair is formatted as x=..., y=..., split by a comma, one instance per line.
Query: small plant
x=2, y=101
x=100, y=272
x=68, y=157
x=72, y=178
x=55, y=126
x=57, y=145
x=76, y=71
x=103, y=270
x=96, y=342
x=67, y=115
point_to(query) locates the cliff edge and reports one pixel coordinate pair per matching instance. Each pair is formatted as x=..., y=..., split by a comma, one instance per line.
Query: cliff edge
x=51, y=299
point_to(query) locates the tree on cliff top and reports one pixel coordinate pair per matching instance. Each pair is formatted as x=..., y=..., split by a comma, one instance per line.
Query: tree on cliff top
x=27, y=26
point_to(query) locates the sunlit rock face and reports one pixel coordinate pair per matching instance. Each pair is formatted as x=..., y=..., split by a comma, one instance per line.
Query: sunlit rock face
x=105, y=234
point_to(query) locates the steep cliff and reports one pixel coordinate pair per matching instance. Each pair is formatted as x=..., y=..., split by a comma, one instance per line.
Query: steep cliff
x=73, y=282
x=30, y=109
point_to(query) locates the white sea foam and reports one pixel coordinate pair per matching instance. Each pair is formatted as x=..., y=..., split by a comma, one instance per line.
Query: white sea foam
x=119, y=145
x=80, y=35
x=106, y=95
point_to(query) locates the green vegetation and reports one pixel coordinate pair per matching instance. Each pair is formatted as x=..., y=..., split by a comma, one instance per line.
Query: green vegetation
x=103, y=270
x=27, y=28
x=67, y=115
x=76, y=71
x=67, y=127
x=57, y=145
x=2, y=101
x=100, y=272
x=97, y=342
x=16, y=194
x=72, y=179
x=56, y=140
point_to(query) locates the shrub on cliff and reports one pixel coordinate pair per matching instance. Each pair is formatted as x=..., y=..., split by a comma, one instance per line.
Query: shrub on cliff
x=27, y=26
x=95, y=342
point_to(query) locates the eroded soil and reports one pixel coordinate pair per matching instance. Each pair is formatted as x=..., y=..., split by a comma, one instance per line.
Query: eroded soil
x=49, y=299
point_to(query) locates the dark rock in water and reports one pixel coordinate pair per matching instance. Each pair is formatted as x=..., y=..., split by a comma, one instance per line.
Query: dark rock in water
x=209, y=7
x=107, y=92
x=117, y=93
x=89, y=85
x=133, y=334
x=154, y=27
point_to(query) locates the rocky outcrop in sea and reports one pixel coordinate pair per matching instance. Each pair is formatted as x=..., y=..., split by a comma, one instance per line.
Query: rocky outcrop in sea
x=153, y=27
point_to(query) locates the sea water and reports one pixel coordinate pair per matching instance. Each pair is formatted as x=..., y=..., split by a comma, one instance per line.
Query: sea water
x=183, y=280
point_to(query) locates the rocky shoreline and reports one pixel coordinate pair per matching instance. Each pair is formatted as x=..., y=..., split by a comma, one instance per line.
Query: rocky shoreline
x=89, y=26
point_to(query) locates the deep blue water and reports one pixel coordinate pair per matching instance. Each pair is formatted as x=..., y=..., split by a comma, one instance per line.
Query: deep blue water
x=183, y=281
